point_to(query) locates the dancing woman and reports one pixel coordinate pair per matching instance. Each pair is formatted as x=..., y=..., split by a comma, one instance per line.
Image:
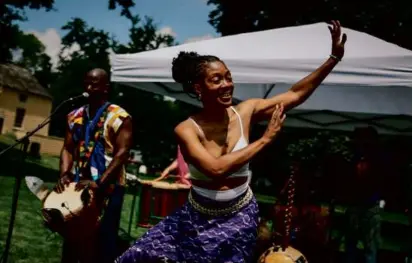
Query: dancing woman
x=219, y=221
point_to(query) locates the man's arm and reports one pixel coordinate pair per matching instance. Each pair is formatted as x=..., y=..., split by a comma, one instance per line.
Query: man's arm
x=123, y=144
x=66, y=155
x=66, y=162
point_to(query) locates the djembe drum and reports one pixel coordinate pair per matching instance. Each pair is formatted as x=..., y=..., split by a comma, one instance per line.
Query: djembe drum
x=73, y=214
x=276, y=254
x=285, y=253
x=145, y=200
x=159, y=199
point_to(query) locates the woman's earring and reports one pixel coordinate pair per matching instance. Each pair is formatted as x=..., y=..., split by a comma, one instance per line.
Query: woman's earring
x=199, y=96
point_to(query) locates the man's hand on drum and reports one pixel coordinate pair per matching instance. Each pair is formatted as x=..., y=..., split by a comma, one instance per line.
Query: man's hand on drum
x=86, y=183
x=64, y=181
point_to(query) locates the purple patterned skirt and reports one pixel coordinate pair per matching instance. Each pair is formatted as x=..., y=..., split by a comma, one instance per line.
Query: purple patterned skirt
x=188, y=236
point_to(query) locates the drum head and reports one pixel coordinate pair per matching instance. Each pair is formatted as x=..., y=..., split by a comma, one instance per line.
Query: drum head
x=145, y=182
x=275, y=254
x=163, y=185
x=68, y=202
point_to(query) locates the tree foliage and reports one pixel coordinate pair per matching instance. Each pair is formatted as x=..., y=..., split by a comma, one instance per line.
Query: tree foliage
x=10, y=34
x=124, y=4
x=83, y=48
x=32, y=56
x=23, y=48
x=385, y=19
x=143, y=36
x=154, y=118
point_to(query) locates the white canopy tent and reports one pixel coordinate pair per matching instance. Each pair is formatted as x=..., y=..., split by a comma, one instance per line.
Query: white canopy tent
x=372, y=85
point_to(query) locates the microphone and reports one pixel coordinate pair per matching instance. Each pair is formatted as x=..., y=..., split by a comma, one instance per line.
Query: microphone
x=83, y=95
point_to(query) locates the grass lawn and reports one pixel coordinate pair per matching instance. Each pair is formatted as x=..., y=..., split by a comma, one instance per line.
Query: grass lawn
x=31, y=242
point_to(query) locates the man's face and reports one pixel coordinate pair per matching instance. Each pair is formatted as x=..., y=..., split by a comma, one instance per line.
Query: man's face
x=96, y=84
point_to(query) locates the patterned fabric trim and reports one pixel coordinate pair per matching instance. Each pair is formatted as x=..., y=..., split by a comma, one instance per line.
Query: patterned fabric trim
x=221, y=211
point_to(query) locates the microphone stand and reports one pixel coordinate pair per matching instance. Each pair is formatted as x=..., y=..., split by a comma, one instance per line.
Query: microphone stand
x=25, y=141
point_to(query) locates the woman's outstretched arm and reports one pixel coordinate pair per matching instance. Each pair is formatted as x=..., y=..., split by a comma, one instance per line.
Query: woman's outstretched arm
x=303, y=89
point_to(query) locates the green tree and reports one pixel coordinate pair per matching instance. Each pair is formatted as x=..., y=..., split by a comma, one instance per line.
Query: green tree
x=386, y=19
x=125, y=5
x=143, y=36
x=84, y=48
x=154, y=131
x=10, y=34
x=33, y=57
x=154, y=118
x=13, y=41
x=12, y=11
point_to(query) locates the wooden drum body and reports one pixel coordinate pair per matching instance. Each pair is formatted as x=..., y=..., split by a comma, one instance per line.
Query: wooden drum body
x=145, y=200
x=73, y=214
x=160, y=199
x=275, y=254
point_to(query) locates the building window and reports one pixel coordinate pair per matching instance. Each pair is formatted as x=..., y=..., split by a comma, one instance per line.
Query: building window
x=23, y=97
x=18, y=120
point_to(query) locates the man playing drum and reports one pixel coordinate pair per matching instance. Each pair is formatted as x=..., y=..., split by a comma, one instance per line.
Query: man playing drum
x=96, y=147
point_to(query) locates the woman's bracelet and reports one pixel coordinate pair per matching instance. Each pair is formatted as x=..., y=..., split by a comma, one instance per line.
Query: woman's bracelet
x=335, y=57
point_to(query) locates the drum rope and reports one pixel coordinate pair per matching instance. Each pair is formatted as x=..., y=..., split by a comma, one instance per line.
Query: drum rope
x=290, y=203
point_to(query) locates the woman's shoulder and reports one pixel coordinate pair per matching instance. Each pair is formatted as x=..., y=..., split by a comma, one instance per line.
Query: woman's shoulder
x=183, y=128
x=246, y=108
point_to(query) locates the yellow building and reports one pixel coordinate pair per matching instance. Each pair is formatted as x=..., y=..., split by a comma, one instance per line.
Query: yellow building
x=24, y=104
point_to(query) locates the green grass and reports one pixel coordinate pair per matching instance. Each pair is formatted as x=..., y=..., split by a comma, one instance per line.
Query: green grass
x=30, y=241
x=47, y=161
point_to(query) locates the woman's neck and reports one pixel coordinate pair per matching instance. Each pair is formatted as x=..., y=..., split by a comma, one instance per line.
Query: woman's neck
x=214, y=114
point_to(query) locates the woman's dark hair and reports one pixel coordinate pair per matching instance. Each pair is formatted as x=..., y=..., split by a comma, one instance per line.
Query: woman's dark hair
x=189, y=67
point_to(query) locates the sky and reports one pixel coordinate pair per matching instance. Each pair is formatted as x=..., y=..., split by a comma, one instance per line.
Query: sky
x=186, y=20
